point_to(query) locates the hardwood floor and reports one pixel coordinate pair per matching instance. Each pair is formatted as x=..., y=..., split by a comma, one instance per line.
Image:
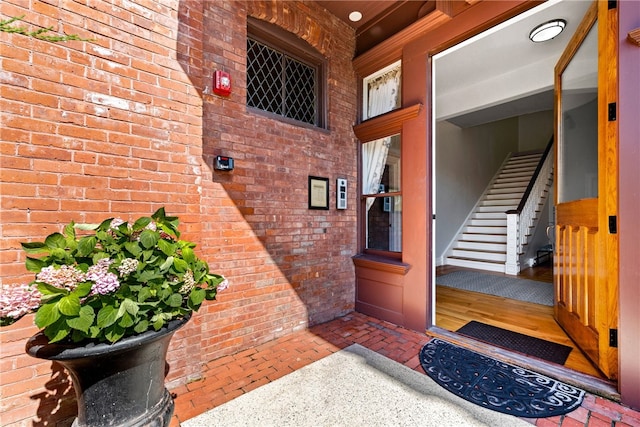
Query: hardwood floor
x=455, y=308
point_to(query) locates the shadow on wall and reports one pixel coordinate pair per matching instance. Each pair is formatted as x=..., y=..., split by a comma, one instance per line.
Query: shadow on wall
x=289, y=266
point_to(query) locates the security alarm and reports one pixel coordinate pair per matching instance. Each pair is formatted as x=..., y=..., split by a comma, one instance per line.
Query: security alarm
x=223, y=163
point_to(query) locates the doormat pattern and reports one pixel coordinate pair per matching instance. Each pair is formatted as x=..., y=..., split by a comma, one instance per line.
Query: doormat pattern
x=496, y=385
x=531, y=346
x=502, y=286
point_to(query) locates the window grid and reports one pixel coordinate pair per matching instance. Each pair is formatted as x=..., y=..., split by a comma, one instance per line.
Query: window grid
x=280, y=84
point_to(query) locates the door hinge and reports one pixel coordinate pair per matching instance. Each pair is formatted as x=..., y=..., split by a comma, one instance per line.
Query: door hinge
x=613, y=4
x=613, y=224
x=612, y=112
x=613, y=338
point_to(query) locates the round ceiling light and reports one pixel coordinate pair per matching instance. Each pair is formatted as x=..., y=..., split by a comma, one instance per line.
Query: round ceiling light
x=355, y=16
x=547, y=31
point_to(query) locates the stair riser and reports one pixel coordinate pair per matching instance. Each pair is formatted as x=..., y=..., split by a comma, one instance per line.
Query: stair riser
x=478, y=255
x=478, y=246
x=495, y=238
x=485, y=230
x=476, y=264
x=488, y=222
x=495, y=209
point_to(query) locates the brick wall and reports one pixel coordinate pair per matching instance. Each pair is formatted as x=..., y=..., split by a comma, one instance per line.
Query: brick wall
x=126, y=123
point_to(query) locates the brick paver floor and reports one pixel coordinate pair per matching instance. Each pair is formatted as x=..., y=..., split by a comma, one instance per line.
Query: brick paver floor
x=231, y=376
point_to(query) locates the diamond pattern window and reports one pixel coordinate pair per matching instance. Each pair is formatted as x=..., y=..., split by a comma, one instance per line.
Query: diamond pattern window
x=284, y=76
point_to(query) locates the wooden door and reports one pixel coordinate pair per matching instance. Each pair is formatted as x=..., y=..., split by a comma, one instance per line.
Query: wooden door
x=586, y=190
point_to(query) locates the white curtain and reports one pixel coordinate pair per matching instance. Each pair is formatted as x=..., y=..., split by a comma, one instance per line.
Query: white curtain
x=382, y=97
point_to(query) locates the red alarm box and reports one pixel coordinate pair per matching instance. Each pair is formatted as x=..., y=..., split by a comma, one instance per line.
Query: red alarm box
x=222, y=83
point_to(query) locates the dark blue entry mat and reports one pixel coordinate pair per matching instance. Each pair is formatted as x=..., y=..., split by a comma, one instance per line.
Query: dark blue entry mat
x=496, y=385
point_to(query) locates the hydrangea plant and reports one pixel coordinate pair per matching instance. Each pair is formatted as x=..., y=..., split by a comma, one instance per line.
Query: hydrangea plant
x=117, y=280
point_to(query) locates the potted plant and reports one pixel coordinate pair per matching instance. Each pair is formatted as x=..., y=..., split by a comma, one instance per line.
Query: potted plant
x=108, y=303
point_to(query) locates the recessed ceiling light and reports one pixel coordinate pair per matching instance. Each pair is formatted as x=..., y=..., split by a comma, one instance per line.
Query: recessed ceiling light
x=547, y=31
x=355, y=16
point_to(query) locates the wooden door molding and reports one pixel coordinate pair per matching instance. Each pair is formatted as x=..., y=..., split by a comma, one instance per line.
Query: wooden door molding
x=586, y=264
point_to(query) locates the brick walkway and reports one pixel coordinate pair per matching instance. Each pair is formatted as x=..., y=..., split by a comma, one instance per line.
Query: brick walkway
x=231, y=376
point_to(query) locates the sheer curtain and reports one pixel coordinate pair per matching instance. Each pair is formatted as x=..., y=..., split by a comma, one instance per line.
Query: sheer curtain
x=383, y=96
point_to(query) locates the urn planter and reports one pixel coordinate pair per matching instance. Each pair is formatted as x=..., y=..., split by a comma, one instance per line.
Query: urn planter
x=120, y=384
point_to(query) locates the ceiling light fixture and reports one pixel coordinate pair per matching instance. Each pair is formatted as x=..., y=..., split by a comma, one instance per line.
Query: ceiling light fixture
x=547, y=31
x=355, y=16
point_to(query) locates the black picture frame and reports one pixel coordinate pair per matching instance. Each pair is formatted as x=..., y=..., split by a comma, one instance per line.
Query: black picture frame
x=318, y=193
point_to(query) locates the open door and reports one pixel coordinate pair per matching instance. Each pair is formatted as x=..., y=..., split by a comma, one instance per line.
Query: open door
x=586, y=262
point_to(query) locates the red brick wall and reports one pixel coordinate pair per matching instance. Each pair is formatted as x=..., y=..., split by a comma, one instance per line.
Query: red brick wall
x=126, y=123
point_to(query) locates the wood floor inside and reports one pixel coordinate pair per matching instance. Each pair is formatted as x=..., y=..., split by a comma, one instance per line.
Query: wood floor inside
x=455, y=308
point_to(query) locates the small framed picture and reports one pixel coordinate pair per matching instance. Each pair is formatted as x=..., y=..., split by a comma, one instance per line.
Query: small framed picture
x=318, y=193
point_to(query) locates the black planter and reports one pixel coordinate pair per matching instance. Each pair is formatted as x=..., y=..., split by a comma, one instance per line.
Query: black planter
x=119, y=384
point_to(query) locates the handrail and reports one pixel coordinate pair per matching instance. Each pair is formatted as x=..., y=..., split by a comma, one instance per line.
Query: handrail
x=533, y=180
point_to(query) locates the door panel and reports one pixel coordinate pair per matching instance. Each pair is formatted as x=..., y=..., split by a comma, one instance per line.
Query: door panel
x=586, y=269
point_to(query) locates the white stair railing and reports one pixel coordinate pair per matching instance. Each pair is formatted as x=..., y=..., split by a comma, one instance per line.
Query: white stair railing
x=523, y=219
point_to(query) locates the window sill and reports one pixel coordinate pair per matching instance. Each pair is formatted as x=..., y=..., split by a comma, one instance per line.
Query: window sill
x=381, y=263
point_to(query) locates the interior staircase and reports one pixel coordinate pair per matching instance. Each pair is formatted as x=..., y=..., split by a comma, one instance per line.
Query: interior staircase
x=482, y=244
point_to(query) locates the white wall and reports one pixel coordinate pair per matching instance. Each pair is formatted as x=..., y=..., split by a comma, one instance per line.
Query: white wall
x=535, y=130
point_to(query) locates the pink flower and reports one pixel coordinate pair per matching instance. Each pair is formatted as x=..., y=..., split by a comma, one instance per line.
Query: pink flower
x=65, y=277
x=18, y=300
x=223, y=285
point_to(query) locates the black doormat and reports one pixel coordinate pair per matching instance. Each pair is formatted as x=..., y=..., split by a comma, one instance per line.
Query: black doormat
x=496, y=385
x=531, y=346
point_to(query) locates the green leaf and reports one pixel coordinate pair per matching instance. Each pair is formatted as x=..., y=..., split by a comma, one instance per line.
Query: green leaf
x=158, y=322
x=166, y=264
x=141, y=326
x=57, y=331
x=83, y=289
x=34, y=265
x=180, y=265
x=46, y=315
x=34, y=247
x=47, y=289
x=149, y=238
x=86, y=245
x=88, y=227
x=55, y=240
x=126, y=321
x=166, y=247
x=144, y=294
x=69, y=305
x=196, y=297
x=188, y=255
x=141, y=223
x=69, y=231
x=83, y=321
x=129, y=306
x=107, y=316
x=133, y=248
x=175, y=300
x=114, y=332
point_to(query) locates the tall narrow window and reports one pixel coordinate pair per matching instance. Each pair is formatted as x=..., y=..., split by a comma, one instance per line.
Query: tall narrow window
x=381, y=165
x=382, y=192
